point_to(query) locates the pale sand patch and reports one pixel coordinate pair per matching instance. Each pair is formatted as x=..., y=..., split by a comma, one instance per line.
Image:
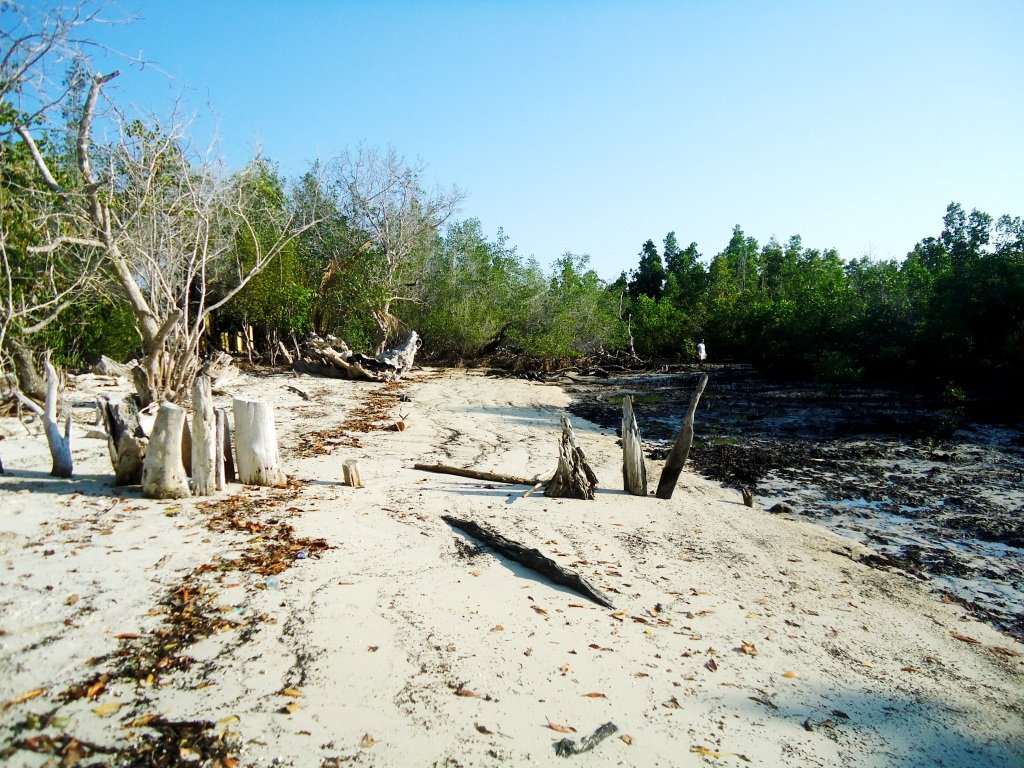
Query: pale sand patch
x=380, y=633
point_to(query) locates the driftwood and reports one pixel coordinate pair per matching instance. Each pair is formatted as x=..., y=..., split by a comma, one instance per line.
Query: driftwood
x=126, y=440
x=490, y=477
x=574, y=479
x=222, y=371
x=60, y=444
x=204, y=439
x=108, y=367
x=634, y=470
x=531, y=557
x=163, y=473
x=681, y=448
x=256, y=443
x=332, y=357
x=226, y=462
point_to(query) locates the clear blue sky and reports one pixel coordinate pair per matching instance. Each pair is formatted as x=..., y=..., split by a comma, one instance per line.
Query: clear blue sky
x=592, y=126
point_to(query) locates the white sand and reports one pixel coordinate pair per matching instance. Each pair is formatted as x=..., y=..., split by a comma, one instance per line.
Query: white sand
x=380, y=633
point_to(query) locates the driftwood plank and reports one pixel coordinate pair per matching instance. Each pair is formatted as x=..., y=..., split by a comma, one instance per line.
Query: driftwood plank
x=531, y=557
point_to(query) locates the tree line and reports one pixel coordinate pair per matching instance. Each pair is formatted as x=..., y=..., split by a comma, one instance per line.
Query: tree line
x=117, y=239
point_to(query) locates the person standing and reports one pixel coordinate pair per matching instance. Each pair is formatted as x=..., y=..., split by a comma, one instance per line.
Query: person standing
x=702, y=353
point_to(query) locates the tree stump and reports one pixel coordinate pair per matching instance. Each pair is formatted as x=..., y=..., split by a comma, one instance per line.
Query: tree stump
x=634, y=470
x=256, y=443
x=126, y=441
x=681, y=448
x=204, y=439
x=163, y=472
x=351, y=471
x=60, y=444
x=226, y=463
x=574, y=479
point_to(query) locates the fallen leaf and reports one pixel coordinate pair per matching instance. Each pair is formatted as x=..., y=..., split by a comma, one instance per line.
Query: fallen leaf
x=672, y=703
x=718, y=755
x=468, y=693
x=627, y=739
x=910, y=669
x=748, y=648
x=539, y=610
x=295, y=693
x=576, y=605
x=963, y=638
x=497, y=628
x=561, y=728
x=229, y=761
x=108, y=709
x=229, y=720
x=95, y=689
x=72, y=599
x=373, y=648
x=367, y=741
x=291, y=708
x=27, y=696
x=711, y=665
x=483, y=729
x=594, y=695
x=128, y=636
x=474, y=572
x=999, y=650
x=141, y=721
x=789, y=675
x=565, y=668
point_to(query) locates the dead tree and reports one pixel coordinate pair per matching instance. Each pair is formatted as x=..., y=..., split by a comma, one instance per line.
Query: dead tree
x=163, y=473
x=681, y=448
x=634, y=470
x=574, y=479
x=256, y=443
x=204, y=439
x=332, y=357
x=126, y=440
x=60, y=444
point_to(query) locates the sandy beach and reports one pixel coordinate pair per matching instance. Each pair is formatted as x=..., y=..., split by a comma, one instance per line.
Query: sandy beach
x=322, y=625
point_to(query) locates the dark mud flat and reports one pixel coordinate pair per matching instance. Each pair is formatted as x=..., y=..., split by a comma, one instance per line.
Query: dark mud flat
x=936, y=494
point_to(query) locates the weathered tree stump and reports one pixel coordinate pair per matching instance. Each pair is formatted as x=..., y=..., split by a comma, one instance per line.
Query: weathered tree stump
x=225, y=458
x=353, y=479
x=634, y=470
x=681, y=448
x=256, y=443
x=574, y=479
x=60, y=444
x=126, y=440
x=163, y=472
x=204, y=439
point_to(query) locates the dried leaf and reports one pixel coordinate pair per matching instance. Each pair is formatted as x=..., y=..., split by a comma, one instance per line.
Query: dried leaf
x=964, y=638
x=468, y=693
x=128, y=636
x=474, y=572
x=26, y=696
x=108, y=709
x=711, y=665
x=909, y=669
x=576, y=605
x=672, y=703
x=229, y=720
x=497, y=628
x=141, y=721
x=229, y=761
x=373, y=648
x=748, y=648
x=291, y=708
x=999, y=650
x=539, y=610
x=594, y=695
x=790, y=675
x=94, y=689
x=483, y=729
x=627, y=739
x=72, y=599
x=561, y=728
x=367, y=741
x=718, y=755
x=295, y=693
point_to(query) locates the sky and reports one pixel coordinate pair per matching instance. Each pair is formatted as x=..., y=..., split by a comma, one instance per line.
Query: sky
x=589, y=127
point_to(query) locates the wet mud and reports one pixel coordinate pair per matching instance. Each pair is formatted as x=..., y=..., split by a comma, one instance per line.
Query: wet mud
x=930, y=490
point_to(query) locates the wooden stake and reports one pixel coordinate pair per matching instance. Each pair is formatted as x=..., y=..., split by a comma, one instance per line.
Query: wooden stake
x=634, y=470
x=681, y=449
x=351, y=471
x=204, y=438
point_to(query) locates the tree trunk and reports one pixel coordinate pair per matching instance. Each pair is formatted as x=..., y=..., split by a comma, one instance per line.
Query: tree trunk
x=574, y=479
x=125, y=439
x=681, y=449
x=634, y=471
x=256, y=440
x=491, y=477
x=163, y=473
x=204, y=439
x=225, y=460
x=60, y=444
x=30, y=382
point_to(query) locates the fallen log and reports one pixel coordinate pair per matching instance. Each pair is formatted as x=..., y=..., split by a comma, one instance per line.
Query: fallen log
x=332, y=357
x=490, y=477
x=681, y=448
x=531, y=557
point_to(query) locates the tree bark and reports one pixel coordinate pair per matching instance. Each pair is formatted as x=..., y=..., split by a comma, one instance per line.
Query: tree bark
x=532, y=558
x=126, y=440
x=163, y=473
x=204, y=439
x=681, y=449
x=574, y=479
x=634, y=470
x=256, y=440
